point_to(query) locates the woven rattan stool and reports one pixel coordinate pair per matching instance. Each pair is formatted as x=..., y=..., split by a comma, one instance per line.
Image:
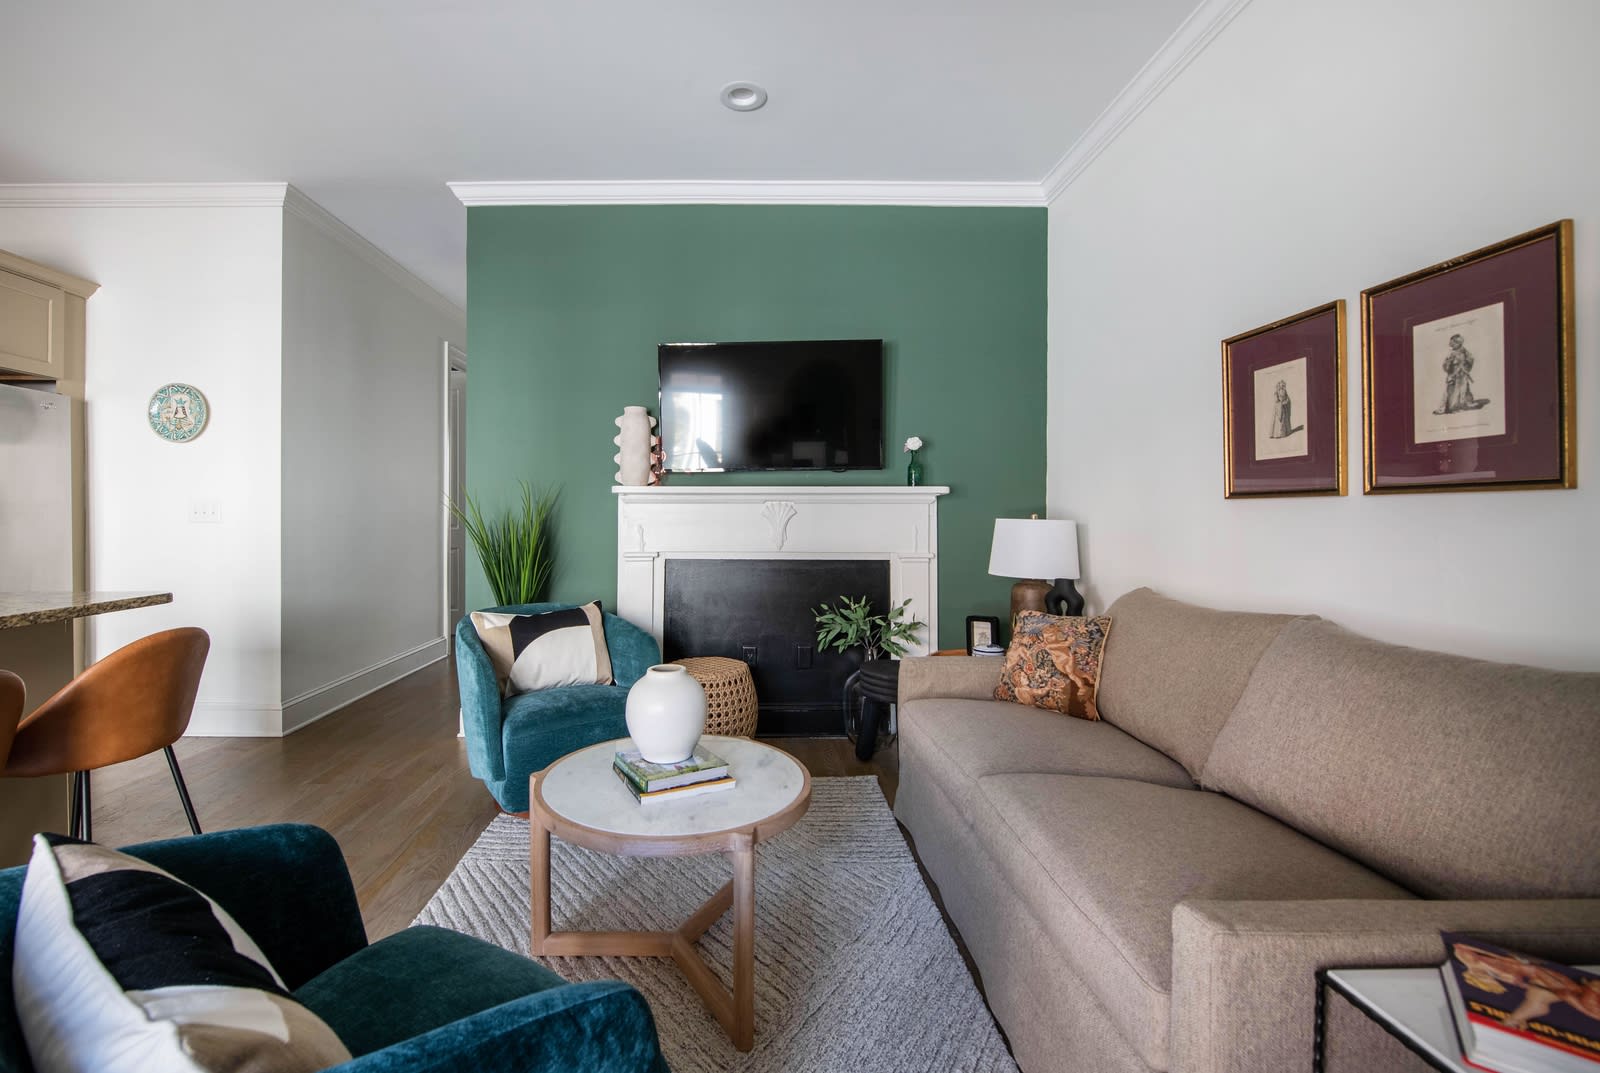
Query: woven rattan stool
x=730, y=694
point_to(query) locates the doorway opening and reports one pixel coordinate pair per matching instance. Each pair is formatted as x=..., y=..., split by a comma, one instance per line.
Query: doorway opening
x=455, y=471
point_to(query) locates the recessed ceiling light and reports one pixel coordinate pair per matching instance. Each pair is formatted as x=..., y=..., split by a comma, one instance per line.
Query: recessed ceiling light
x=743, y=96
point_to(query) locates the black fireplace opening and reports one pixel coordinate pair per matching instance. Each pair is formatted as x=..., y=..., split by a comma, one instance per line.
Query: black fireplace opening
x=762, y=611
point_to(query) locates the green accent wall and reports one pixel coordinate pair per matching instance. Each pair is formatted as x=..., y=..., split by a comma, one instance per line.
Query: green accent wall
x=567, y=303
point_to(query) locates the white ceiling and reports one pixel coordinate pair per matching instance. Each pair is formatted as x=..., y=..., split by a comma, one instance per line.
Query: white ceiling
x=371, y=106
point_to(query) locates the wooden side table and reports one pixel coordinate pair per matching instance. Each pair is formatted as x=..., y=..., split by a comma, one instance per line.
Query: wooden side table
x=579, y=800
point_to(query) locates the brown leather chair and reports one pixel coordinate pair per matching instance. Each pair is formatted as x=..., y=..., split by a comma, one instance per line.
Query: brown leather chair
x=133, y=702
x=13, y=697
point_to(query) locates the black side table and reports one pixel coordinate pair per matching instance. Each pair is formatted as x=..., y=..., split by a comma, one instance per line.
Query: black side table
x=1408, y=1003
x=878, y=685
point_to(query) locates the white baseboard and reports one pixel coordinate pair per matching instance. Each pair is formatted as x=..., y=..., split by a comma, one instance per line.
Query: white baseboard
x=235, y=719
x=253, y=719
x=310, y=706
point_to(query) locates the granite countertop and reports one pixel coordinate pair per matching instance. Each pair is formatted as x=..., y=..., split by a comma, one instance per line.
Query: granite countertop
x=35, y=608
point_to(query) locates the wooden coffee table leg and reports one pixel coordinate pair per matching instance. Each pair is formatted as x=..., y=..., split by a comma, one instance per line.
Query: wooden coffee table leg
x=735, y=1010
x=539, y=903
x=707, y=915
x=744, y=946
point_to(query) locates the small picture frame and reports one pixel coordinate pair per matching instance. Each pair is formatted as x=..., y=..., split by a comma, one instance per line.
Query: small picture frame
x=1283, y=424
x=982, y=630
x=1467, y=371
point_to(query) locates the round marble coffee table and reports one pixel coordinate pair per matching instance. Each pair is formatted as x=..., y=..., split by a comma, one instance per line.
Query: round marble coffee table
x=581, y=801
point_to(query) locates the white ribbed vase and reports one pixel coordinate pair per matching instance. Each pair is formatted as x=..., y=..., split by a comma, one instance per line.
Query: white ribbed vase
x=633, y=443
x=666, y=713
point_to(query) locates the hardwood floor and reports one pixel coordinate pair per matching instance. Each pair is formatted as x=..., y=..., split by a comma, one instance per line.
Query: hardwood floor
x=386, y=775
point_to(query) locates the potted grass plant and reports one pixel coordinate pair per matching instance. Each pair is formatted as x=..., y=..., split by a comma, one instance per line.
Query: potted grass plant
x=515, y=548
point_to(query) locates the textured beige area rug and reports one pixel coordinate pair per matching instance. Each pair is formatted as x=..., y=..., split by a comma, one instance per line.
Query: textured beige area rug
x=854, y=967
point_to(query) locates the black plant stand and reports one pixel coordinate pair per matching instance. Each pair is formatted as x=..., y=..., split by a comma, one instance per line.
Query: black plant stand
x=878, y=683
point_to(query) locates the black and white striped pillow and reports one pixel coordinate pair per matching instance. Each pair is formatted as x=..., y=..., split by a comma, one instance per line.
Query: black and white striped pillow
x=545, y=651
x=121, y=966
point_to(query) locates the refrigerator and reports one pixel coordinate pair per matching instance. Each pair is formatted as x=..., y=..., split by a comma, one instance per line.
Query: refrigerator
x=36, y=538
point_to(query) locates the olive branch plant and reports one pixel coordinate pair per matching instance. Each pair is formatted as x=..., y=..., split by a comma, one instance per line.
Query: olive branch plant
x=851, y=623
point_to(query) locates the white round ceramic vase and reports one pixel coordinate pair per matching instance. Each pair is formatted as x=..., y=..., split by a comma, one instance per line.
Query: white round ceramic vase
x=634, y=444
x=666, y=713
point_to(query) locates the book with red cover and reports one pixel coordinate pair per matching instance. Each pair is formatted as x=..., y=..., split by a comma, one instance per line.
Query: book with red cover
x=1520, y=1014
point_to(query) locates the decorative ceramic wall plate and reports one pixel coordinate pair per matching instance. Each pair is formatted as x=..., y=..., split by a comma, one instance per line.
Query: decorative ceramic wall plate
x=178, y=412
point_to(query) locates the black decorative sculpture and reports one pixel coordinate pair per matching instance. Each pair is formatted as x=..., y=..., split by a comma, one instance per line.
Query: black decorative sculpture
x=1064, y=599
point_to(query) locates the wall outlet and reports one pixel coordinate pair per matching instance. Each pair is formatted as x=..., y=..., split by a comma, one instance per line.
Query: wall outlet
x=205, y=512
x=750, y=654
x=802, y=657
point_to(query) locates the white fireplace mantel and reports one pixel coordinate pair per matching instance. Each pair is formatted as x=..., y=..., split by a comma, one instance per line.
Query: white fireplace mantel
x=900, y=525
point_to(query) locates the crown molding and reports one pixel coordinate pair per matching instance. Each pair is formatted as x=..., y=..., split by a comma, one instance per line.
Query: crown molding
x=299, y=205
x=144, y=195
x=755, y=192
x=1186, y=43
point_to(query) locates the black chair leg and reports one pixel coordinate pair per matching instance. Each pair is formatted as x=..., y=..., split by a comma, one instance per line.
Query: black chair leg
x=183, y=791
x=75, y=817
x=86, y=825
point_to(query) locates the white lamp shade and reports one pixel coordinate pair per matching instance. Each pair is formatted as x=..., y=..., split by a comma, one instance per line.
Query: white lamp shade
x=1034, y=548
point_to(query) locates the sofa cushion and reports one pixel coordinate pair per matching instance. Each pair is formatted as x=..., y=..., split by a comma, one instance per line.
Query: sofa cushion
x=415, y=981
x=1103, y=863
x=1457, y=777
x=973, y=738
x=1171, y=671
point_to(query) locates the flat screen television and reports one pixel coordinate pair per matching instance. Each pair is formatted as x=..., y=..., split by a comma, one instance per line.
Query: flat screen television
x=803, y=405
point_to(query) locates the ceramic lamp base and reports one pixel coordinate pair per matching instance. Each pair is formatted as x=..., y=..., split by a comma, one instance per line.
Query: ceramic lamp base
x=1027, y=596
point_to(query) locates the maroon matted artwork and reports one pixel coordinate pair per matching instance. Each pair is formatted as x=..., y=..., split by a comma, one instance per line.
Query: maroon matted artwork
x=1283, y=407
x=1467, y=371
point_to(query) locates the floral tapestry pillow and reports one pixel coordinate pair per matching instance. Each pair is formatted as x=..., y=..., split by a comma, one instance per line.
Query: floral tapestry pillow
x=1054, y=663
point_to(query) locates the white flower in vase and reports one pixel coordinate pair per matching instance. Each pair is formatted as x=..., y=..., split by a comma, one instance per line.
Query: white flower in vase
x=913, y=443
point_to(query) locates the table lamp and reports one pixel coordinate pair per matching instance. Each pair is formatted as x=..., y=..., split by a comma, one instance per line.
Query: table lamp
x=1033, y=549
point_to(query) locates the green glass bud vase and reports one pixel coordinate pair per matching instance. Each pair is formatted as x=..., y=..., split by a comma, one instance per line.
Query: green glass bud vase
x=914, y=470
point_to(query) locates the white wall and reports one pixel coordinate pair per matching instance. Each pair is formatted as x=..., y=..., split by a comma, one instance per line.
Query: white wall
x=363, y=382
x=190, y=294
x=1311, y=151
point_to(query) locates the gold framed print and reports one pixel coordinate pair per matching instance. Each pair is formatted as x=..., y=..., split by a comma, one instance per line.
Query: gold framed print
x=1283, y=416
x=1467, y=371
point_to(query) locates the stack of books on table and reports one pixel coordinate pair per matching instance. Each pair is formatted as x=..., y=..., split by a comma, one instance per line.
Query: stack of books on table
x=703, y=773
x=1520, y=1014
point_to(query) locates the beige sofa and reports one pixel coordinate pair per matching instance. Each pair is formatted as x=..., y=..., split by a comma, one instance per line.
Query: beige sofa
x=1265, y=795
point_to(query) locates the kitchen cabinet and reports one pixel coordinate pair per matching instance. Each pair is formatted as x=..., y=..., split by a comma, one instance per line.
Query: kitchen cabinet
x=42, y=315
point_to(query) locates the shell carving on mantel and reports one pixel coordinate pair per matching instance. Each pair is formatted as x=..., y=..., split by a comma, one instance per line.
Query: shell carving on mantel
x=778, y=513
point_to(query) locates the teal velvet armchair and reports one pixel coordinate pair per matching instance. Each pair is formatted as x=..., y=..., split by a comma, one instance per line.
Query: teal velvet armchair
x=510, y=738
x=421, y=999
